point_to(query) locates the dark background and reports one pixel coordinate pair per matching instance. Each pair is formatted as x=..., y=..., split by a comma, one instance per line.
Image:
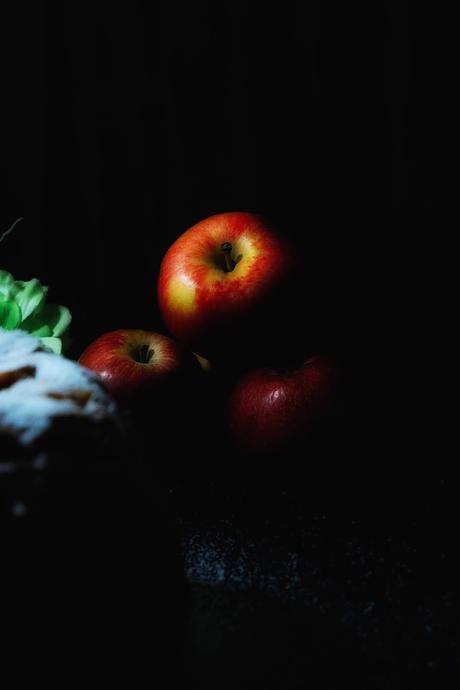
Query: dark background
x=122, y=126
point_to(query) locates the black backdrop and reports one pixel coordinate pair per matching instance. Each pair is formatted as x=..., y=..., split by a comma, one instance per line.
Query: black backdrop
x=122, y=126
x=125, y=125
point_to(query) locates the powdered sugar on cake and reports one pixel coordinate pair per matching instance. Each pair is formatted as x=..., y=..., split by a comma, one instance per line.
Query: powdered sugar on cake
x=37, y=388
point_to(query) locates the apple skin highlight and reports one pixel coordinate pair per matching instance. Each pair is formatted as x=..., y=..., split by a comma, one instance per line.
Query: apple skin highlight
x=134, y=364
x=271, y=410
x=210, y=308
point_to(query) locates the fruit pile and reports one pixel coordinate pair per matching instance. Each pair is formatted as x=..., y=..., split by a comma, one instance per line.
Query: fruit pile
x=75, y=495
x=226, y=291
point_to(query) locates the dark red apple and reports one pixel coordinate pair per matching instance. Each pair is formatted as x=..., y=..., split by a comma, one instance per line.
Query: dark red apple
x=221, y=284
x=136, y=364
x=272, y=409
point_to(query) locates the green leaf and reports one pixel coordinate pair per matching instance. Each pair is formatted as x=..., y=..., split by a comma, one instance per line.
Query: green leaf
x=10, y=315
x=30, y=295
x=57, y=317
x=23, y=306
x=53, y=316
x=53, y=345
x=32, y=323
x=42, y=332
x=6, y=281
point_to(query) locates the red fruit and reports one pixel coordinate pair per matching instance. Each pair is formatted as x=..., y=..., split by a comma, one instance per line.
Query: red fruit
x=220, y=283
x=134, y=364
x=270, y=410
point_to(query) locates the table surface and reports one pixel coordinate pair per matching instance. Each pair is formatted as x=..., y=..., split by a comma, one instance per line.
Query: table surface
x=290, y=586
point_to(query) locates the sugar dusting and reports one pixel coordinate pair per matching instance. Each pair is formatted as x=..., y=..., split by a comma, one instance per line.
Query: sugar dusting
x=30, y=405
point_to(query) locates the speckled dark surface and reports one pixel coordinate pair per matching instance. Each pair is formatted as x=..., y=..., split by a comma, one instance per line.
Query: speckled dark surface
x=344, y=575
x=296, y=587
x=318, y=582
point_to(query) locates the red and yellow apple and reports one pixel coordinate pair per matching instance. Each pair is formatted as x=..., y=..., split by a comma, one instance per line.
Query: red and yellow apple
x=137, y=364
x=221, y=283
x=271, y=409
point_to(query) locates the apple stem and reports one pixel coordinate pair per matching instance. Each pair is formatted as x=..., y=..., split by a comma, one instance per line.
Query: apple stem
x=143, y=354
x=227, y=251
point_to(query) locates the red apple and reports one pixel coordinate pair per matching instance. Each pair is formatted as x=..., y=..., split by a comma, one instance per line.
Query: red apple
x=221, y=283
x=136, y=364
x=272, y=409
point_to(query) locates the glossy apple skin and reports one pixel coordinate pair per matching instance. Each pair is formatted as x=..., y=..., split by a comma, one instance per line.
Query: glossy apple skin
x=270, y=410
x=113, y=356
x=216, y=311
